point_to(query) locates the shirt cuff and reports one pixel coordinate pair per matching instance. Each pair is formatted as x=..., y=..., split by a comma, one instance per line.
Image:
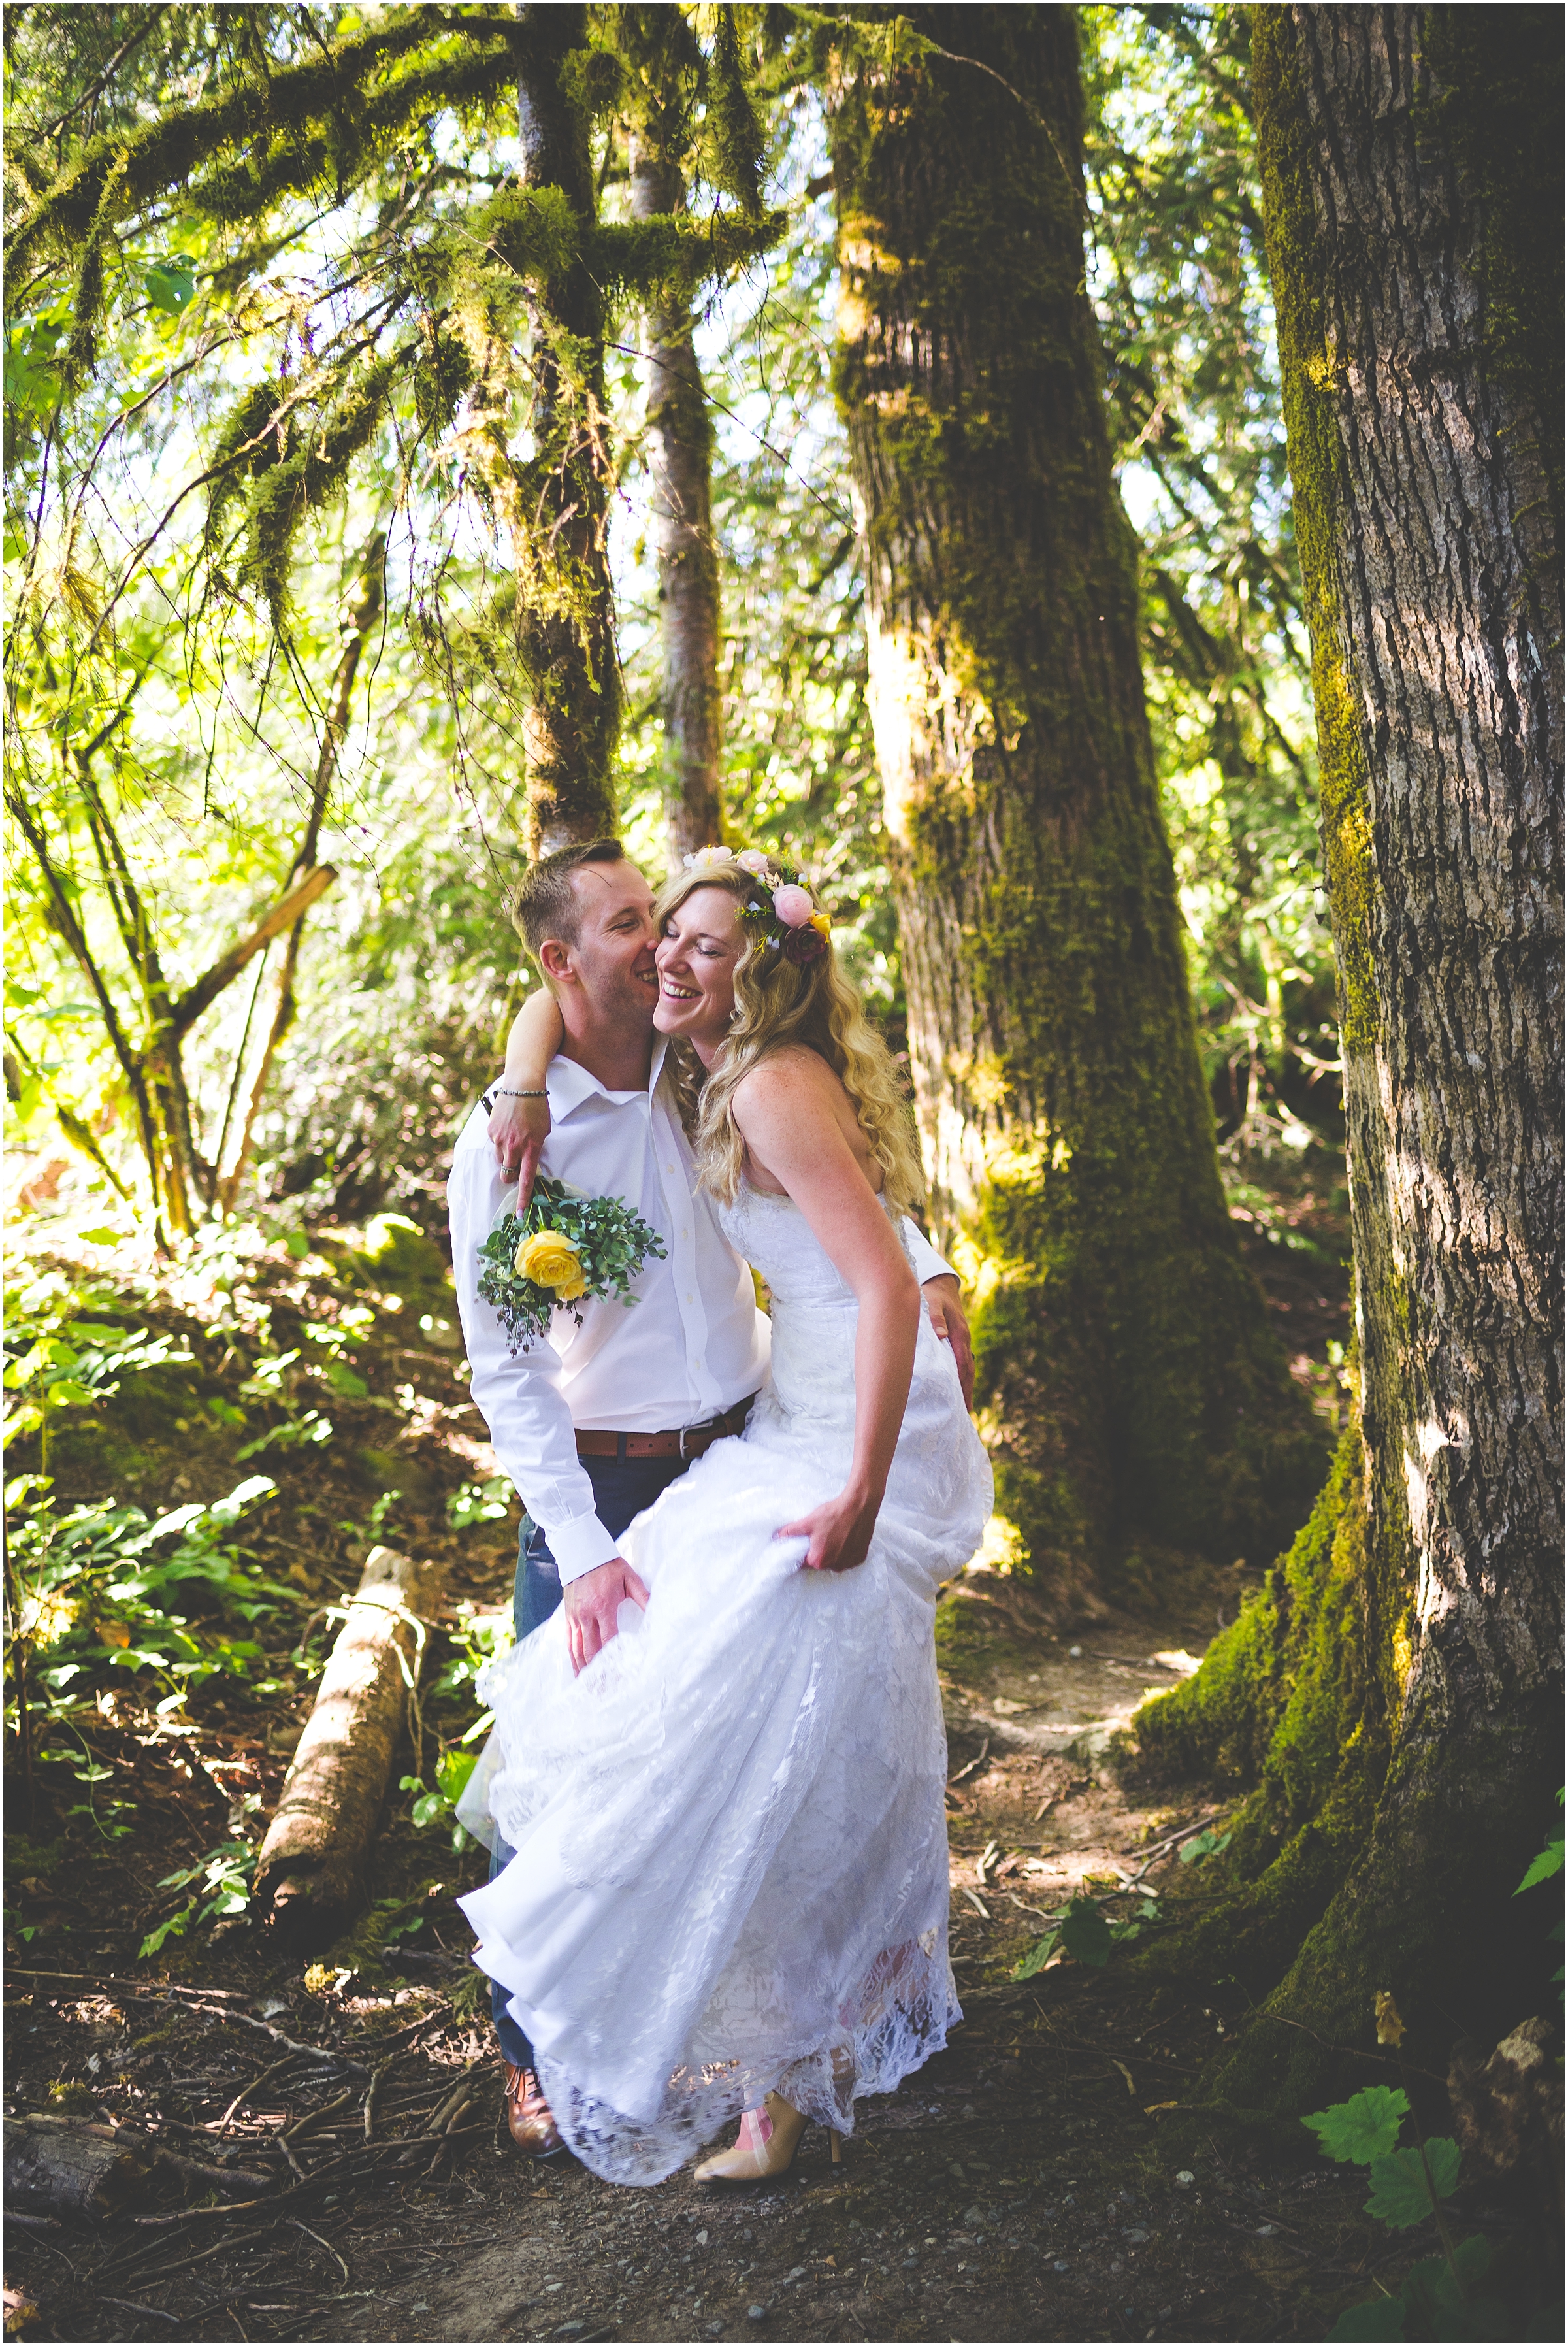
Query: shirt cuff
x=579, y=1546
x=923, y=1256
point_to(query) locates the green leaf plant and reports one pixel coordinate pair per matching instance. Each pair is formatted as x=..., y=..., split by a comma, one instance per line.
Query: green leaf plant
x=1441, y=2296
x=1084, y=1932
x=1546, y=1867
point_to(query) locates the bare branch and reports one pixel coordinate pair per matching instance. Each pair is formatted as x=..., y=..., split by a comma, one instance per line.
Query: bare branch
x=184, y=1013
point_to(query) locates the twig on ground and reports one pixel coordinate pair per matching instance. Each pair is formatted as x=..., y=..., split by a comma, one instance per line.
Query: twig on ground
x=314, y=2118
x=254, y=2087
x=973, y=1764
x=311, y=2052
x=322, y=2244
x=156, y=2311
x=220, y=2248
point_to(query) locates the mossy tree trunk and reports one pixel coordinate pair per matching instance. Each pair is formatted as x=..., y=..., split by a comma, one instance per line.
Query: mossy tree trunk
x=680, y=471
x=1131, y=1391
x=573, y=721
x=1394, y=1700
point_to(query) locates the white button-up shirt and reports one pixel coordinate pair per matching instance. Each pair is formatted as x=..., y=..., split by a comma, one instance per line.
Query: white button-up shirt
x=692, y=1344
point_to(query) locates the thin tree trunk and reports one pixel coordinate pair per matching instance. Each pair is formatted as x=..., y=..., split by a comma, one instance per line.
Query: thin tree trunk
x=361, y=615
x=1408, y=1747
x=680, y=454
x=1132, y=1393
x=573, y=719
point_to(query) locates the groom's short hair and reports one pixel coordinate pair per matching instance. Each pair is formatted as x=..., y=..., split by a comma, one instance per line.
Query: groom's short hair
x=546, y=904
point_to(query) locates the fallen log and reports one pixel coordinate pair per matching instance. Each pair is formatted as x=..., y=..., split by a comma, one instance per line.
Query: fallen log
x=154, y=2156
x=66, y=2171
x=310, y=1875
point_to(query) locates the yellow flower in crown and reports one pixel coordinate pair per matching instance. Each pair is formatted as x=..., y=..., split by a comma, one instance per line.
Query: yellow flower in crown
x=821, y=924
x=551, y=1260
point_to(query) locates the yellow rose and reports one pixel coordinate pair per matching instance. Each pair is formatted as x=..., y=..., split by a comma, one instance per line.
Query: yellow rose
x=821, y=924
x=552, y=1261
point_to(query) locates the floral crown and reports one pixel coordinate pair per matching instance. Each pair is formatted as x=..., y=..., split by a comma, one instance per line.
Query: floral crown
x=779, y=908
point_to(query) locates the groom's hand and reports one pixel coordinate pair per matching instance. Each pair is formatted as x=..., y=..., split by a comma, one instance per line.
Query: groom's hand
x=593, y=1601
x=942, y=1302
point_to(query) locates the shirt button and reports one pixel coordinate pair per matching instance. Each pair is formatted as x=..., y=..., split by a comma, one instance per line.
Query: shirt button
x=689, y=1296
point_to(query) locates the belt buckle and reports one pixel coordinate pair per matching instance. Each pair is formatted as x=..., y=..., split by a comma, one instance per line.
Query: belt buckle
x=705, y=1427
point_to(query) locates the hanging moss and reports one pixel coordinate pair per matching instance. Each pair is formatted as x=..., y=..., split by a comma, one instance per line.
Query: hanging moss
x=317, y=470
x=169, y=154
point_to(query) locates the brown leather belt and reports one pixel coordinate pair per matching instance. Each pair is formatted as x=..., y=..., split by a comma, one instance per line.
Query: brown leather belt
x=682, y=1441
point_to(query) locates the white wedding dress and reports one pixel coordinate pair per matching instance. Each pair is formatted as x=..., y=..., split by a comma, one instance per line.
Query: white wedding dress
x=731, y=1871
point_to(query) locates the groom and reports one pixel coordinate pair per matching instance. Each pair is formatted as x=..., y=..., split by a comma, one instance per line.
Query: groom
x=594, y=1423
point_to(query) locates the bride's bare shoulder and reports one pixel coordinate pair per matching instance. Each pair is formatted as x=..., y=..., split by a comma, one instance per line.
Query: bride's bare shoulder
x=792, y=1077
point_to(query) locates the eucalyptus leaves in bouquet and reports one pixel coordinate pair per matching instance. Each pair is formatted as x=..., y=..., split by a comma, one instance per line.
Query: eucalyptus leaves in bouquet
x=564, y=1250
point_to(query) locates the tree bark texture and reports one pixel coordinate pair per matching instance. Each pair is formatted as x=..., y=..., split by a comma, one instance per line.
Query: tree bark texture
x=680, y=461
x=1132, y=1393
x=85, y=2177
x=310, y=1871
x=566, y=614
x=1415, y=1641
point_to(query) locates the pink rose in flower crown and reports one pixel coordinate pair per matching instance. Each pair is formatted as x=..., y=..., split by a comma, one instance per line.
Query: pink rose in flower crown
x=793, y=906
x=752, y=859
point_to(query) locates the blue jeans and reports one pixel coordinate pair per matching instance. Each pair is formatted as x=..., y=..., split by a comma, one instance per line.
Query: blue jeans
x=622, y=1487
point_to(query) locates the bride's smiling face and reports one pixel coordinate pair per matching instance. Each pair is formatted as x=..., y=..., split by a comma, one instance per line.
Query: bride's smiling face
x=703, y=940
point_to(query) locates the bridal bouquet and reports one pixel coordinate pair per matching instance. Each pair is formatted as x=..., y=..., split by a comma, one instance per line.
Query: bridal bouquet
x=563, y=1248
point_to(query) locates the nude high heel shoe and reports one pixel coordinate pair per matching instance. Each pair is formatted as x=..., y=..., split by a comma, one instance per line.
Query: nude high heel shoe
x=765, y=2147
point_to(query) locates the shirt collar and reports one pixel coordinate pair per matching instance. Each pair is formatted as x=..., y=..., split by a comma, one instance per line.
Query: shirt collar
x=569, y=1084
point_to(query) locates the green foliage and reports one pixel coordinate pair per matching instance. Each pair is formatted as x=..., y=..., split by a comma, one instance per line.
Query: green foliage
x=1548, y=1864
x=1408, y=2186
x=452, y=1771
x=352, y=246
x=1202, y=1845
x=170, y=285
x=1179, y=280
x=609, y=1243
x=480, y=1503
x=1382, y=2317
x=102, y=1588
x=1406, y=2183
x=225, y=1876
x=1089, y=1934
x=1364, y=2127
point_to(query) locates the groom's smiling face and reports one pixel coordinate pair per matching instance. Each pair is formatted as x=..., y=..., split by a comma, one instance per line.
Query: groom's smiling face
x=612, y=955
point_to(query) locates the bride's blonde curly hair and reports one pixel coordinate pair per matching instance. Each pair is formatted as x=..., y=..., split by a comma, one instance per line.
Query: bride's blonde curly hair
x=778, y=1001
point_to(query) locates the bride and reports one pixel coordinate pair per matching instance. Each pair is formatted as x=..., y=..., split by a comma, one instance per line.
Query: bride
x=729, y=1895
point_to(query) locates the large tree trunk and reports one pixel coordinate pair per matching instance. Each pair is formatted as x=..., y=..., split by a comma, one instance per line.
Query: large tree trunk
x=567, y=633
x=1132, y=1393
x=1396, y=1699
x=679, y=458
